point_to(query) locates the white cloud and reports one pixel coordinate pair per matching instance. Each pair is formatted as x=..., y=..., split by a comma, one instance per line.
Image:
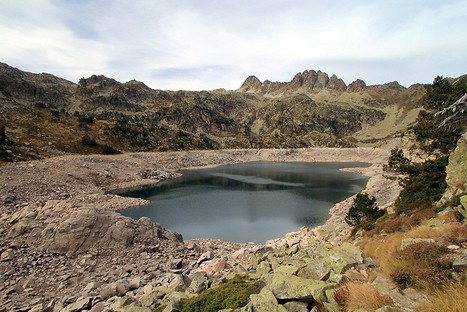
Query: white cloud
x=213, y=44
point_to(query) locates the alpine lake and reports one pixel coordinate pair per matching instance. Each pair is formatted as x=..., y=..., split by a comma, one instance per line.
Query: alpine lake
x=248, y=202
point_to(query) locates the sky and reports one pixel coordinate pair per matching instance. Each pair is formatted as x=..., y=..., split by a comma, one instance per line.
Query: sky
x=205, y=45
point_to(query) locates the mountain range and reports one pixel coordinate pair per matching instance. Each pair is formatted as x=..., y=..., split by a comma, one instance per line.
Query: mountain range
x=43, y=115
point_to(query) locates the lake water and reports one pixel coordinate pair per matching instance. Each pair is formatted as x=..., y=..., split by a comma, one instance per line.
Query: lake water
x=248, y=202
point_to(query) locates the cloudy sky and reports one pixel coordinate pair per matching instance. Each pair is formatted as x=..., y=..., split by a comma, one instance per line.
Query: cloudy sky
x=200, y=44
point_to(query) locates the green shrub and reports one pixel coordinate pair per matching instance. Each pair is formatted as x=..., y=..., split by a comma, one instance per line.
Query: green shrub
x=363, y=209
x=425, y=185
x=232, y=294
x=397, y=161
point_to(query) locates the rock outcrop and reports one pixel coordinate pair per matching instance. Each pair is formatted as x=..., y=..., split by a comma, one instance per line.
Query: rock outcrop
x=456, y=169
x=309, y=80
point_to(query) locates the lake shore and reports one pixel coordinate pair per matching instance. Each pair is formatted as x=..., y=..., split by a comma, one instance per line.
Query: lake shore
x=62, y=212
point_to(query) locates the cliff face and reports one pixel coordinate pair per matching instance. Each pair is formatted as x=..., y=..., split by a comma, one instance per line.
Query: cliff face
x=44, y=115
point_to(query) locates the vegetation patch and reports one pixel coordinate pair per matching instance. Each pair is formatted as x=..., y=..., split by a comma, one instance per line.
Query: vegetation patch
x=421, y=265
x=232, y=294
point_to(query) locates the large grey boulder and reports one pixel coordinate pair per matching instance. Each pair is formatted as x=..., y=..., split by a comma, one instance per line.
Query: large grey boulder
x=291, y=287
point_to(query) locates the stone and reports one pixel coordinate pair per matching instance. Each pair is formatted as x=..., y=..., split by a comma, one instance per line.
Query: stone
x=37, y=308
x=172, y=307
x=408, y=298
x=410, y=241
x=148, y=299
x=295, y=306
x=199, y=282
x=331, y=307
x=389, y=309
x=134, y=283
x=355, y=276
x=434, y=222
x=147, y=289
x=453, y=247
x=290, y=287
x=99, y=307
x=176, y=263
x=122, y=287
x=463, y=206
x=180, y=283
x=108, y=291
x=265, y=301
x=208, y=255
x=455, y=172
x=460, y=263
x=128, y=268
x=80, y=305
x=90, y=287
x=7, y=255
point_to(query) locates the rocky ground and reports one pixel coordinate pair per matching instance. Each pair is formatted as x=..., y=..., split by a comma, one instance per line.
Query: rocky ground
x=65, y=246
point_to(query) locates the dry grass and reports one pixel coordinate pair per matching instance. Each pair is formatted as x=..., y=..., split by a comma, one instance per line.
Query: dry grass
x=452, y=297
x=353, y=295
x=383, y=249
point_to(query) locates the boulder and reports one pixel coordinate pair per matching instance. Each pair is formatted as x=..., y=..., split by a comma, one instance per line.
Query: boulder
x=199, y=282
x=456, y=176
x=295, y=306
x=180, y=283
x=265, y=301
x=7, y=255
x=291, y=287
x=460, y=263
x=410, y=241
x=208, y=255
x=80, y=305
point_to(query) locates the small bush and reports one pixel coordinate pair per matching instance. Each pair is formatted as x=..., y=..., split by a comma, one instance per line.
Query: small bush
x=402, y=278
x=363, y=209
x=397, y=161
x=232, y=294
x=109, y=150
x=87, y=140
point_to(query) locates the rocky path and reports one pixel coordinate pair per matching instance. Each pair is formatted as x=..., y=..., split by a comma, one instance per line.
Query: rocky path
x=63, y=239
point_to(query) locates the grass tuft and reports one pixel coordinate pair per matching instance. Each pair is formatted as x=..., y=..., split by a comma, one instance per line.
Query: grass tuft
x=354, y=295
x=451, y=298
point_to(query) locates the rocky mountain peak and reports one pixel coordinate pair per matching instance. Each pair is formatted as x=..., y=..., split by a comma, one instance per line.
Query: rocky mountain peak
x=357, y=86
x=310, y=80
x=98, y=82
x=251, y=85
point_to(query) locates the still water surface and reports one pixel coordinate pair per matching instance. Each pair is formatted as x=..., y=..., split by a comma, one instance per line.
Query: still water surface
x=248, y=202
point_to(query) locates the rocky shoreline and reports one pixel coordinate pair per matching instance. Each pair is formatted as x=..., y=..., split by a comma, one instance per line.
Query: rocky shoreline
x=64, y=242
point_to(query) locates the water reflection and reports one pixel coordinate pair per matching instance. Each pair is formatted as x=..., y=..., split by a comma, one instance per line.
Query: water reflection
x=253, y=201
